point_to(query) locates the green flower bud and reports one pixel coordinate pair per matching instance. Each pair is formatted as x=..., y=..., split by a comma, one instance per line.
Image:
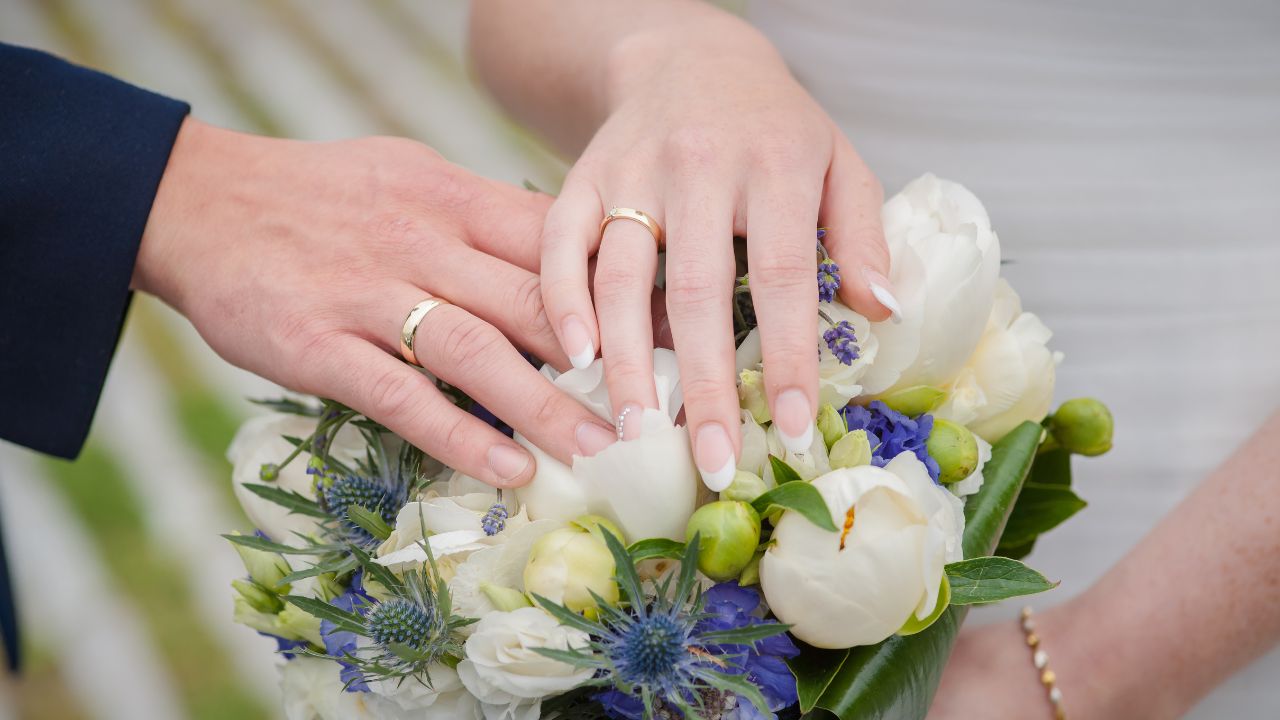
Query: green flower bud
x=265, y=568
x=751, y=395
x=913, y=625
x=269, y=472
x=952, y=446
x=258, y=597
x=852, y=450
x=504, y=598
x=915, y=400
x=728, y=532
x=1083, y=426
x=244, y=613
x=569, y=564
x=750, y=575
x=295, y=623
x=831, y=424
x=316, y=465
x=596, y=524
x=746, y=487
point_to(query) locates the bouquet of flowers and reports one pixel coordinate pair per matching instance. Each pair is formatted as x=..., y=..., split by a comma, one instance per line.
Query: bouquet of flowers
x=830, y=572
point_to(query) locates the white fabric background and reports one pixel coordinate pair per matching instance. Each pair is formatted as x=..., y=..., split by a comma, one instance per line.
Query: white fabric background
x=1129, y=156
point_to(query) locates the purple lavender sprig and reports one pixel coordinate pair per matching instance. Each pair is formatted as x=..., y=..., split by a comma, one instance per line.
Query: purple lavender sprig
x=842, y=342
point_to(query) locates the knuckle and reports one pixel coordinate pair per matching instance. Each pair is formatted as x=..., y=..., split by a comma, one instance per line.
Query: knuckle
x=782, y=151
x=530, y=311
x=470, y=343
x=391, y=396
x=452, y=436
x=617, y=282
x=692, y=146
x=693, y=287
x=784, y=269
x=704, y=390
x=627, y=372
x=548, y=410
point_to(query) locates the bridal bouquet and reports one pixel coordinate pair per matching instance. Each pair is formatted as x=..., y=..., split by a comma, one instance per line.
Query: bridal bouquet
x=620, y=587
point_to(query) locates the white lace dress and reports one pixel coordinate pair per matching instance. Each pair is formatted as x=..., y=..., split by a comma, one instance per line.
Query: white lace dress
x=1129, y=156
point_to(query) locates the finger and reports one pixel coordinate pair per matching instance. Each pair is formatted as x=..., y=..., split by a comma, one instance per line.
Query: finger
x=700, y=278
x=626, y=266
x=366, y=378
x=510, y=226
x=851, y=207
x=782, y=213
x=470, y=354
x=569, y=237
x=501, y=294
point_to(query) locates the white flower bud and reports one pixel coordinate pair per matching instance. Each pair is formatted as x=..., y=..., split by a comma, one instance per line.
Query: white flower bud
x=567, y=565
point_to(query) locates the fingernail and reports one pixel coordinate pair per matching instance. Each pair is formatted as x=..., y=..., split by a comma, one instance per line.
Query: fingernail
x=628, y=421
x=593, y=437
x=714, y=454
x=793, y=417
x=577, y=342
x=508, y=463
x=880, y=289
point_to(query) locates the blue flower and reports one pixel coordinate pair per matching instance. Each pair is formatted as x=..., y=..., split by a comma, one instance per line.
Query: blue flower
x=842, y=342
x=892, y=433
x=372, y=494
x=728, y=606
x=340, y=644
x=828, y=280
x=495, y=520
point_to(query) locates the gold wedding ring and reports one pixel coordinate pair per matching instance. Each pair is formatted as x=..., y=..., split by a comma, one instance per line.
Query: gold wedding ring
x=411, y=323
x=622, y=213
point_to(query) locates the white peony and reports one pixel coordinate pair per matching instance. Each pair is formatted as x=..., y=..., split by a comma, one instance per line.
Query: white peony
x=503, y=669
x=647, y=486
x=839, y=590
x=945, y=260
x=312, y=690
x=444, y=698
x=837, y=383
x=1010, y=376
x=259, y=441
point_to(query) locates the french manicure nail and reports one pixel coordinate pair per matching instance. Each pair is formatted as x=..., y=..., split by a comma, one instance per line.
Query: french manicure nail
x=879, y=285
x=593, y=437
x=628, y=421
x=508, y=463
x=577, y=342
x=793, y=417
x=714, y=454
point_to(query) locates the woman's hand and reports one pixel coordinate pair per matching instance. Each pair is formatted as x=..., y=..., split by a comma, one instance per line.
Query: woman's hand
x=701, y=126
x=300, y=261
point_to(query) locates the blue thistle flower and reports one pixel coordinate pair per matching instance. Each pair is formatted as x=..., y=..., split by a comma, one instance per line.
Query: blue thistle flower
x=842, y=342
x=892, y=433
x=665, y=656
x=344, y=492
x=828, y=280
x=494, y=521
x=403, y=622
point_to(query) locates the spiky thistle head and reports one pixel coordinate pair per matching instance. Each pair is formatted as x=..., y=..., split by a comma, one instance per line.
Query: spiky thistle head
x=344, y=492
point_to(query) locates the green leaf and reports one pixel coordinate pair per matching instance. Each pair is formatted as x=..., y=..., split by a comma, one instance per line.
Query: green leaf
x=624, y=570
x=342, y=619
x=1040, y=508
x=747, y=635
x=337, y=566
x=294, y=502
x=656, y=548
x=736, y=684
x=897, y=678
x=287, y=405
x=990, y=579
x=569, y=617
x=579, y=660
x=259, y=543
x=782, y=472
x=801, y=497
x=370, y=521
x=378, y=573
x=1052, y=467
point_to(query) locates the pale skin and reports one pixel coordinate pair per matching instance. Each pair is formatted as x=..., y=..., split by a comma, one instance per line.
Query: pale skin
x=685, y=112
x=300, y=261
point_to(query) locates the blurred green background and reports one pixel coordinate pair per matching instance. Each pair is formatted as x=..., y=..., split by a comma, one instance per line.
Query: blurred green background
x=121, y=573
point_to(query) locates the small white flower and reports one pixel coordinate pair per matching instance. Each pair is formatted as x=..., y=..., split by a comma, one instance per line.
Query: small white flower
x=312, y=690
x=452, y=529
x=260, y=441
x=444, y=698
x=840, y=589
x=503, y=669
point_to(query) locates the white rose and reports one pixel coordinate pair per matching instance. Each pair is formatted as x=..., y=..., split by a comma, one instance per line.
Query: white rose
x=501, y=566
x=1010, y=376
x=444, y=698
x=311, y=689
x=647, y=486
x=259, y=441
x=945, y=260
x=837, y=383
x=503, y=669
x=905, y=529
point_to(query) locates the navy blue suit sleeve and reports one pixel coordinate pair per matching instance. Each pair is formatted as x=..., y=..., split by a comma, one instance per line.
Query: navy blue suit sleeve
x=81, y=155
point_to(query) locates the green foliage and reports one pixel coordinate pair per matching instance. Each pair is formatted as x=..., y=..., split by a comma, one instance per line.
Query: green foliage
x=800, y=497
x=991, y=579
x=292, y=501
x=656, y=548
x=370, y=521
x=782, y=472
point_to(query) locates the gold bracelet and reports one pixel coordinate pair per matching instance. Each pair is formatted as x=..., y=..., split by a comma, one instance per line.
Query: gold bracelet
x=1040, y=659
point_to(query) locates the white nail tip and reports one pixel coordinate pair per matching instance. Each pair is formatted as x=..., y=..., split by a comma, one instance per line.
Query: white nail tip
x=887, y=299
x=583, y=359
x=720, y=479
x=796, y=445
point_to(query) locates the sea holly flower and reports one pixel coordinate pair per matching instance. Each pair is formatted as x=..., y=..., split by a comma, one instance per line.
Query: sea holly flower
x=659, y=655
x=339, y=495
